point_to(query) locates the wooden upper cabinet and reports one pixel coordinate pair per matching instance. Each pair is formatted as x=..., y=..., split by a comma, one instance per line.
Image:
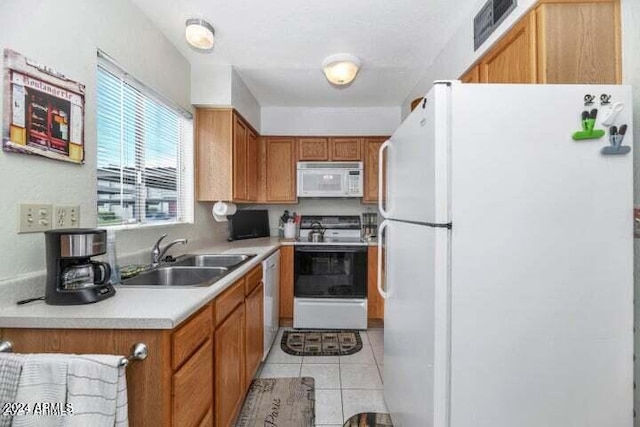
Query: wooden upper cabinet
x=280, y=159
x=471, y=76
x=253, y=166
x=227, y=157
x=371, y=154
x=240, y=152
x=578, y=42
x=344, y=149
x=313, y=149
x=513, y=58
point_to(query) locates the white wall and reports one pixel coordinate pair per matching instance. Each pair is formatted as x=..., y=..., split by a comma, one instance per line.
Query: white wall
x=329, y=121
x=458, y=54
x=243, y=100
x=221, y=86
x=65, y=34
x=211, y=85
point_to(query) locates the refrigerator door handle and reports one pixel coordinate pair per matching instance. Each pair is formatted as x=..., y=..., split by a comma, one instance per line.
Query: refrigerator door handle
x=383, y=225
x=383, y=147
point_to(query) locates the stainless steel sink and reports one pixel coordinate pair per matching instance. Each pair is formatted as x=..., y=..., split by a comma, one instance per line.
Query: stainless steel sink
x=189, y=271
x=177, y=276
x=213, y=260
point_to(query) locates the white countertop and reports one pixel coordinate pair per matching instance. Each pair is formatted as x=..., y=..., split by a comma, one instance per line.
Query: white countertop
x=139, y=308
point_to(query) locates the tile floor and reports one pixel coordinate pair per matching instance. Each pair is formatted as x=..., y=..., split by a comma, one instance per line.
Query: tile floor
x=345, y=385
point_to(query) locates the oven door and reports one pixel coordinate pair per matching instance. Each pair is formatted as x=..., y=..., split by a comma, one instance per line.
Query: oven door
x=326, y=271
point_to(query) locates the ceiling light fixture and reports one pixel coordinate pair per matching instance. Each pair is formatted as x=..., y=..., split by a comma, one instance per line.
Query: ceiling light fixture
x=341, y=68
x=199, y=34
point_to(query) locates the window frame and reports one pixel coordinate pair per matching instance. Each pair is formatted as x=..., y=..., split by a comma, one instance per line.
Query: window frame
x=185, y=185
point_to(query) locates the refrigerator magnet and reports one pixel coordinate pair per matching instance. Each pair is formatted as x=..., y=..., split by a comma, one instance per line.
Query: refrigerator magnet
x=615, y=147
x=588, y=123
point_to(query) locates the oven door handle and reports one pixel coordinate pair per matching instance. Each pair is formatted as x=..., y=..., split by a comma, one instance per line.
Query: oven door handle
x=332, y=249
x=382, y=293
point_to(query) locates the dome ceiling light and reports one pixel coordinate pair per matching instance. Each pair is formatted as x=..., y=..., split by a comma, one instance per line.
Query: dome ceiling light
x=341, y=68
x=199, y=34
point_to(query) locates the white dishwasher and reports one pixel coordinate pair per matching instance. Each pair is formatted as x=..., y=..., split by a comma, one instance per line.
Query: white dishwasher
x=271, y=274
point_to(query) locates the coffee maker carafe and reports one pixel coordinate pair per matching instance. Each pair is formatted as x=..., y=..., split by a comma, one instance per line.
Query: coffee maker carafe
x=72, y=277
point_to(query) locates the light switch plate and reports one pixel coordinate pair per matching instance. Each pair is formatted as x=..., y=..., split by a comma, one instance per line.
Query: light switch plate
x=34, y=218
x=66, y=216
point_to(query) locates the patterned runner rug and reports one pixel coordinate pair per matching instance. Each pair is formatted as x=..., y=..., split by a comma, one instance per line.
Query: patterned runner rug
x=321, y=342
x=279, y=402
x=369, y=419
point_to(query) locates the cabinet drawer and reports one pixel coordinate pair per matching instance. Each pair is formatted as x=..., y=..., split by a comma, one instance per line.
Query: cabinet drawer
x=192, y=389
x=190, y=335
x=254, y=277
x=229, y=300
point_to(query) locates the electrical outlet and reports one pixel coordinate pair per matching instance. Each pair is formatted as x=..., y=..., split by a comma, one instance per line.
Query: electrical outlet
x=66, y=216
x=34, y=218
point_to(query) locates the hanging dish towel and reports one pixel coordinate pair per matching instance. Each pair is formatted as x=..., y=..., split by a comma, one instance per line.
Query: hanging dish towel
x=10, y=368
x=97, y=391
x=43, y=380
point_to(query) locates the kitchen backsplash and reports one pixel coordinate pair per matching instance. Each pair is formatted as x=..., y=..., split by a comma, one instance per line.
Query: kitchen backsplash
x=315, y=207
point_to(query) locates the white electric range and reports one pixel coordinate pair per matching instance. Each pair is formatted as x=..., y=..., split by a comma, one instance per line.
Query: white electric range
x=330, y=277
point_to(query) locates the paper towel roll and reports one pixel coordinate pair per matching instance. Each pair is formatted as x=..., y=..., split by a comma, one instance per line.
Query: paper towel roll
x=224, y=208
x=221, y=210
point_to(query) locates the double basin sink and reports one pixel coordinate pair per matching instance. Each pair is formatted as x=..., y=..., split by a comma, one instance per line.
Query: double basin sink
x=189, y=271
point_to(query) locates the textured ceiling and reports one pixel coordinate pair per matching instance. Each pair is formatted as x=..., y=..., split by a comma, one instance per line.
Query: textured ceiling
x=277, y=46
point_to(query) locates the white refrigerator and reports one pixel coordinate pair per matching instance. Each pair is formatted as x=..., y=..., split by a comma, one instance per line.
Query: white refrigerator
x=508, y=251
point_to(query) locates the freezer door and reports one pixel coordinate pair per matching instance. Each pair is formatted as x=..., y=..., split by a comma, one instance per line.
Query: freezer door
x=416, y=343
x=418, y=162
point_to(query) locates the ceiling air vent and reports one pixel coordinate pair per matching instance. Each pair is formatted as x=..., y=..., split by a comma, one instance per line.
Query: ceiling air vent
x=489, y=18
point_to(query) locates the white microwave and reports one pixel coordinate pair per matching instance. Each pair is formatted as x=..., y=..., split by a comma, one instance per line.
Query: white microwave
x=330, y=179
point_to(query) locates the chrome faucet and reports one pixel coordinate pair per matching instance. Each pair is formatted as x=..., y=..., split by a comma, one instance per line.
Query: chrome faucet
x=157, y=253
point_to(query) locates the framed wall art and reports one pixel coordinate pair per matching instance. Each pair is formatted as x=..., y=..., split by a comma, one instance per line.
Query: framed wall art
x=43, y=111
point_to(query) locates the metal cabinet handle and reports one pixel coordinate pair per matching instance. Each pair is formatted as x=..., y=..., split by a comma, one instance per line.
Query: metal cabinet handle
x=382, y=293
x=383, y=147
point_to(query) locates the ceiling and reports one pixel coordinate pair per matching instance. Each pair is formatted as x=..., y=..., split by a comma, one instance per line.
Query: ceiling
x=277, y=46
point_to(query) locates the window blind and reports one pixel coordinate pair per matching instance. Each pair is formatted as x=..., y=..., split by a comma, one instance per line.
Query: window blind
x=144, y=145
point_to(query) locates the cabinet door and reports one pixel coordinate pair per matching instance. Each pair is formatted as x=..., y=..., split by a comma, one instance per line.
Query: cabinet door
x=229, y=367
x=471, y=76
x=375, y=303
x=197, y=374
x=312, y=149
x=254, y=336
x=344, y=149
x=371, y=148
x=513, y=59
x=281, y=170
x=253, y=166
x=578, y=42
x=286, y=282
x=239, y=159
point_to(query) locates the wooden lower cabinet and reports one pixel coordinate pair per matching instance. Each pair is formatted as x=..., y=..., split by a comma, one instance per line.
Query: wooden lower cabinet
x=229, y=367
x=286, y=284
x=195, y=375
x=254, y=332
x=189, y=408
x=375, y=303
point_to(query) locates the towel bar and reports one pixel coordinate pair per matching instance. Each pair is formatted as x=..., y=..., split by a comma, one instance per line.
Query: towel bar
x=139, y=351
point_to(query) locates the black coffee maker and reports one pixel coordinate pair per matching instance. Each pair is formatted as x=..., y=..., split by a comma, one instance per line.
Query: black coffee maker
x=72, y=278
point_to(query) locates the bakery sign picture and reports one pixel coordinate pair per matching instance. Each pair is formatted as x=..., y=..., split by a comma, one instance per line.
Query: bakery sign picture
x=43, y=111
